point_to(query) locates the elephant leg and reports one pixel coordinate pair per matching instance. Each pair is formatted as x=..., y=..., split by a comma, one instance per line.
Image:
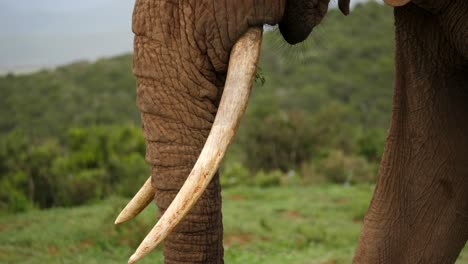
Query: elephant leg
x=419, y=211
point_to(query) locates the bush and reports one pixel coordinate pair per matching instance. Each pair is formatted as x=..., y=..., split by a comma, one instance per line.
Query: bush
x=267, y=179
x=309, y=173
x=77, y=188
x=13, y=198
x=371, y=144
x=278, y=140
x=130, y=172
x=89, y=164
x=234, y=174
x=341, y=168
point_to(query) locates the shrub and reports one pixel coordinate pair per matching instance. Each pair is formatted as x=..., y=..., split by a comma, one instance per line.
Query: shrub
x=309, y=173
x=267, y=179
x=129, y=173
x=278, y=140
x=234, y=174
x=371, y=144
x=341, y=168
x=90, y=164
x=77, y=187
x=13, y=198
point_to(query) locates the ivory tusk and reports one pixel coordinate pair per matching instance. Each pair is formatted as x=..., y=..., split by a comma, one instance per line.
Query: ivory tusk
x=241, y=72
x=139, y=202
x=396, y=3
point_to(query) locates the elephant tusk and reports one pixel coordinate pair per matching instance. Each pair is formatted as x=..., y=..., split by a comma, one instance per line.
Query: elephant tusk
x=396, y=3
x=242, y=67
x=139, y=202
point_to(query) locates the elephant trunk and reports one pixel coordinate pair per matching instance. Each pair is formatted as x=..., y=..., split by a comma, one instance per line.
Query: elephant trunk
x=177, y=112
x=242, y=68
x=179, y=90
x=178, y=104
x=200, y=183
x=181, y=69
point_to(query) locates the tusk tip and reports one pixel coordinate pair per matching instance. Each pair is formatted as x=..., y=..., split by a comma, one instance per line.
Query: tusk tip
x=139, y=202
x=120, y=219
x=134, y=258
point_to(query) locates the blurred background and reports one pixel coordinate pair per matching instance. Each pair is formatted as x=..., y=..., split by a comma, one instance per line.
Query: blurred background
x=71, y=151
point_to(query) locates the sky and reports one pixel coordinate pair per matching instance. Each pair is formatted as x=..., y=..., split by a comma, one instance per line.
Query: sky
x=43, y=34
x=47, y=33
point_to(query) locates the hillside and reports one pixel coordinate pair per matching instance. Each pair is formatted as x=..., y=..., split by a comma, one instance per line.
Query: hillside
x=47, y=103
x=347, y=59
x=71, y=135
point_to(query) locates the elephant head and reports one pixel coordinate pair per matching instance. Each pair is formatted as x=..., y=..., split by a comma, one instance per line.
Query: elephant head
x=191, y=105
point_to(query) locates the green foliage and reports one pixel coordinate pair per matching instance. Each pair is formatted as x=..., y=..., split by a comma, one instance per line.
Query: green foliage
x=48, y=103
x=371, y=144
x=11, y=197
x=341, y=168
x=319, y=112
x=268, y=179
x=234, y=174
x=25, y=169
x=279, y=140
x=89, y=164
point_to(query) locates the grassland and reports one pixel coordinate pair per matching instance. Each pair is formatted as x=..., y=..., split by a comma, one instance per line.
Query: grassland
x=316, y=224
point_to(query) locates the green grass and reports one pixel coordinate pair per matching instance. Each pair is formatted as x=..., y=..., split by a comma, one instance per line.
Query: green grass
x=316, y=224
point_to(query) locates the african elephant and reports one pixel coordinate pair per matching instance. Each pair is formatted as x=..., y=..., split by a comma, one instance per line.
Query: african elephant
x=185, y=89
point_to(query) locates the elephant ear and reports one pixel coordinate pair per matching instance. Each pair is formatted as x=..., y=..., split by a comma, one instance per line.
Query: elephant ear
x=396, y=3
x=343, y=5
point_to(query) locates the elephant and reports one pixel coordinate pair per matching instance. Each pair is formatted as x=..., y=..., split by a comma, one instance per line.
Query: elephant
x=194, y=61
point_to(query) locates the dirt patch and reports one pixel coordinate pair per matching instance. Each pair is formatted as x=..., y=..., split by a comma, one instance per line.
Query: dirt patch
x=358, y=219
x=291, y=214
x=53, y=250
x=238, y=239
x=341, y=201
x=85, y=243
x=236, y=197
x=4, y=253
x=330, y=261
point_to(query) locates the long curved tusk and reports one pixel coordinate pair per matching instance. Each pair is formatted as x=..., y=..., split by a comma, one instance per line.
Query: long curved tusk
x=396, y=3
x=240, y=76
x=139, y=202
